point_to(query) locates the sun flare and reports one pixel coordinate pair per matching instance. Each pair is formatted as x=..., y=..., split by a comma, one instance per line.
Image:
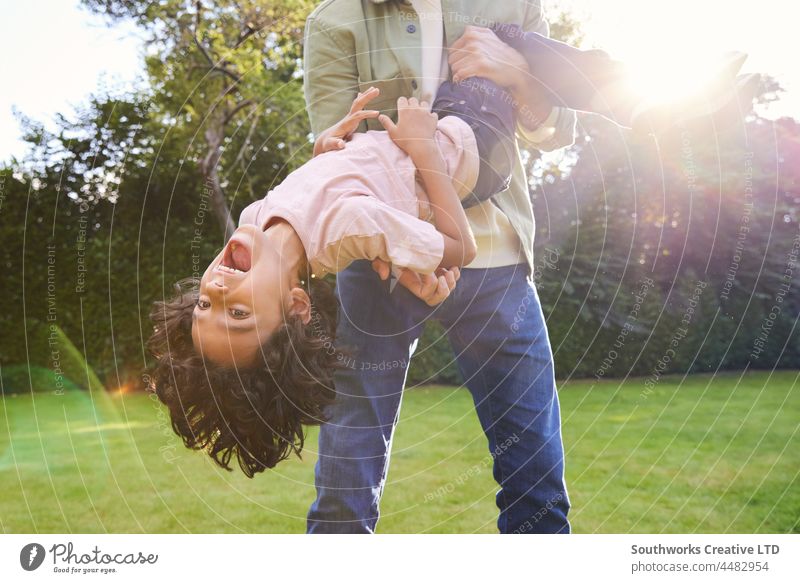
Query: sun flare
x=661, y=80
x=671, y=46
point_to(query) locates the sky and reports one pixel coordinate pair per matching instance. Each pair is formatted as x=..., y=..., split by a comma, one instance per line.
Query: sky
x=55, y=54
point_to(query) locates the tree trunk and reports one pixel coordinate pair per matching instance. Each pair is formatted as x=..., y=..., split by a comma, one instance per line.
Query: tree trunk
x=209, y=168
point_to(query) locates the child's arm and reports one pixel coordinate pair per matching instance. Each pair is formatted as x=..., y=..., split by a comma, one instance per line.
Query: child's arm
x=414, y=133
x=335, y=136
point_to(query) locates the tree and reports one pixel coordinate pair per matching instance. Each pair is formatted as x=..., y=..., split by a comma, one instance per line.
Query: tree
x=105, y=213
x=216, y=68
x=120, y=195
x=673, y=210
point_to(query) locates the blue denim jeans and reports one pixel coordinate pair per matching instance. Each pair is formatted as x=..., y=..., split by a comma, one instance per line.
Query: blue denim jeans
x=497, y=330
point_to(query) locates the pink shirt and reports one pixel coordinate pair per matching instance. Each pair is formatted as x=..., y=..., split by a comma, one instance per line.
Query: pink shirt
x=365, y=201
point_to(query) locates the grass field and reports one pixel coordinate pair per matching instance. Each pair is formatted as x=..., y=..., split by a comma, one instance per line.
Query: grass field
x=706, y=454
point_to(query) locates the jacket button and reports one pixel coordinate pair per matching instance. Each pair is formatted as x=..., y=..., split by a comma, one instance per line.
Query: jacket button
x=411, y=29
x=414, y=83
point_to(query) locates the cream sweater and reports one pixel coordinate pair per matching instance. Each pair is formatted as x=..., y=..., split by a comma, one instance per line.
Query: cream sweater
x=498, y=243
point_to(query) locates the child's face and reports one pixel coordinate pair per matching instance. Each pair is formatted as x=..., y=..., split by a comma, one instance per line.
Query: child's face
x=243, y=293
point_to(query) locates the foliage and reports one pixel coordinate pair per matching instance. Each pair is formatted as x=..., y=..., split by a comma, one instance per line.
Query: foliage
x=122, y=199
x=433, y=361
x=224, y=78
x=22, y=378
x=106, y=212
x=708, y=214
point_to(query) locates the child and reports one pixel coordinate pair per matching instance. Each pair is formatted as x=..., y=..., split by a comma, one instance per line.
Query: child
x=247, y=359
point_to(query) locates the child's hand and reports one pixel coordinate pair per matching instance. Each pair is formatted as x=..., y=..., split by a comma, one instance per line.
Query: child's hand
x=335, y=136
x=415, y=128
x=431, y=288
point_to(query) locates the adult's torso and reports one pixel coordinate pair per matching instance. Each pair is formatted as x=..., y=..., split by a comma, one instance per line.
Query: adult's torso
x=387, y=40
x=383, y=38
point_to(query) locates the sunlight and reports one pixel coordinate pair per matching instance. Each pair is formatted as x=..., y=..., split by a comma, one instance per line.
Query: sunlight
x=683, y=37
x=662, y=80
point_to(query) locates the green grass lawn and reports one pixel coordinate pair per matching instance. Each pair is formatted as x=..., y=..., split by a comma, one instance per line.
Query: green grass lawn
x=706, y=454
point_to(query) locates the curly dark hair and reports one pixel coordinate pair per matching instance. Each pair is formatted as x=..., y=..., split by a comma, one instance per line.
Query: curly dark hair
x=256, y=414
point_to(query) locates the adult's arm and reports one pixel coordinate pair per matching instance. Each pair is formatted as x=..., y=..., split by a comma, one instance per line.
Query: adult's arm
x=558, y=130
x=480, y=53
x=330, y=79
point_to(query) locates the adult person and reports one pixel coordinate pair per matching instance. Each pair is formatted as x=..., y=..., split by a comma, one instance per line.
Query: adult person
x=492, y=316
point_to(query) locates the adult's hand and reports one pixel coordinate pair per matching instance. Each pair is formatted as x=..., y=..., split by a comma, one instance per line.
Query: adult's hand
x=431, y=288
x=480, y=53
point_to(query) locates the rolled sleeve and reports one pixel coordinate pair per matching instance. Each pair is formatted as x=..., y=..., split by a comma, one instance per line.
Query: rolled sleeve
x=558, y=131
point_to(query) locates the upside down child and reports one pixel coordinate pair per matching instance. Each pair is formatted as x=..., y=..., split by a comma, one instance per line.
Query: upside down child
x=245, y=359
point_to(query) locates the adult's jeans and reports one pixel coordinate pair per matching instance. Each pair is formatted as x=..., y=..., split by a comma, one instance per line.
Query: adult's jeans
x=496, y=327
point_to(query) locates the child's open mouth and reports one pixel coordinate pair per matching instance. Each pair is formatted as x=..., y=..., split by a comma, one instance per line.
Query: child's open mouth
x=236, y=258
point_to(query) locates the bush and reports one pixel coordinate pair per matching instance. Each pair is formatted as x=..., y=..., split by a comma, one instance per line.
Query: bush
x=21, y=379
